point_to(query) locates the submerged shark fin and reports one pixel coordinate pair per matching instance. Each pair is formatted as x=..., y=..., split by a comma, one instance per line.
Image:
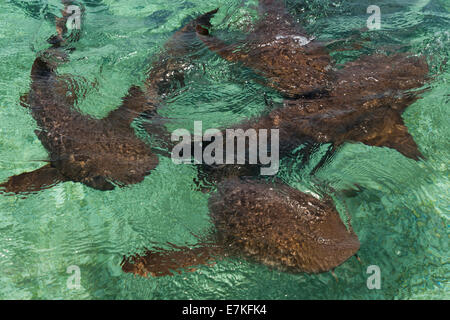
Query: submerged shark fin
x=214, y=44
x=24, y=100
x=30, y=182
x=271, y=6
x=399, y=76
x=392, y=133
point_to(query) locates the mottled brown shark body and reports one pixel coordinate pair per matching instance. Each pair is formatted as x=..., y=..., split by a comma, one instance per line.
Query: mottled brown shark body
x=96, y=152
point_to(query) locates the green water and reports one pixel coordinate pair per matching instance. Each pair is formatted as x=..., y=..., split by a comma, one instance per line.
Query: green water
x=401, y=216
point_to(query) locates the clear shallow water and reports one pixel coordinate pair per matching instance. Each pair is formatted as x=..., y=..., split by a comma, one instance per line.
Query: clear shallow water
x=401, y=217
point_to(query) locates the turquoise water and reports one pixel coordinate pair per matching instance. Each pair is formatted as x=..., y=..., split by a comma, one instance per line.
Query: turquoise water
x=401, y=216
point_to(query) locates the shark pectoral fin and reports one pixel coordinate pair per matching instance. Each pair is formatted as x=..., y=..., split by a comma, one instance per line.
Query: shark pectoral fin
x=393, y=133
x=30, y=182
x=226, y=51
x=380, y=75
x=137, y=104
x=163, y=262
x=275, y=19
x=400, y=140
x=133, y=105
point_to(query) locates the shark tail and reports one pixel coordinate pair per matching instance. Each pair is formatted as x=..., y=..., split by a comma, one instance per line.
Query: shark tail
x=165, y=262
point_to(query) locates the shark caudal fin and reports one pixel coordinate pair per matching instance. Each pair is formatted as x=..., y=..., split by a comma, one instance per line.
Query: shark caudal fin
x=167, y=72
x=162, y=262
x=30, y=182
x=46, y=63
